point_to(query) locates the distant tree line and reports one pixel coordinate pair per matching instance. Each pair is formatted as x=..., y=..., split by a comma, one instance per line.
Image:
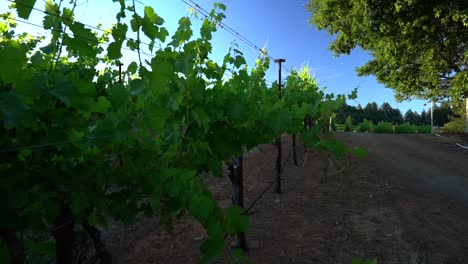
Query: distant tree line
x=386, y=112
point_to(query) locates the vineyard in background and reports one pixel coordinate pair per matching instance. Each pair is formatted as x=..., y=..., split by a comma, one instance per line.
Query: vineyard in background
x=81, y=146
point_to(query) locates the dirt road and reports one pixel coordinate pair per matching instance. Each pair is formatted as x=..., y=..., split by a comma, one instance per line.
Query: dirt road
x=406, y=202
x=429, y=162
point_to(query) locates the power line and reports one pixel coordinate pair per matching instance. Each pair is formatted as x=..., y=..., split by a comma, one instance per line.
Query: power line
x=223, y=25
x=71, y=20
x=230, y=75
x=193, y=5
x=227, y=28
x=230, y=30
x=77, y=36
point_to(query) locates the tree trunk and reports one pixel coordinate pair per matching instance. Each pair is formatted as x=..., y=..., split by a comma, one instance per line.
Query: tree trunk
x=466, y=117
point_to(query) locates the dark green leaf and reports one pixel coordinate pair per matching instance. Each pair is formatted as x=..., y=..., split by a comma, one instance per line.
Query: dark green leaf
x=24, y=7
x=212, y=247
x=13, y=58
x=13, y=111
x=83, y=42
x=201, y=206
x=236, y=220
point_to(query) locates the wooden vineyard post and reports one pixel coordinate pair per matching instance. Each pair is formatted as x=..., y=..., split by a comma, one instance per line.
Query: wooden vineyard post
x=278, y=140
x=278, y=165
x=236, y=177
x=294, y=149
x=432, y=117
x=307, y=126
x=120, y=73
x=466, y=117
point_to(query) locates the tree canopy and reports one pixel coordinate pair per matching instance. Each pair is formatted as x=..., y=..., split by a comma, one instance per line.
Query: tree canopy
x=419, y=47
x=443, y=113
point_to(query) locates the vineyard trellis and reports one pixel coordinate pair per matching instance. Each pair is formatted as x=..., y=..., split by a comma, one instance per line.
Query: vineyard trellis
x=121, y=144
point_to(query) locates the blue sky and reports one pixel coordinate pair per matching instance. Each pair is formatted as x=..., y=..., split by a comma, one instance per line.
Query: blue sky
x=281, y=25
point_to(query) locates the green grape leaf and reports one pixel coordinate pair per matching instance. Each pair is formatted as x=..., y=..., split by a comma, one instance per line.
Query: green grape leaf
x=163, y=70
x=151, y=23
x=83, y=41
x=311, y=138
x=214, y=227
x=74, y=91
x=152, y=17
x=132, y=68
x=236, y=220
x=200, y=207
x=215, y=167
x=155, y=200
x=102, y=105
x=135, y=22
x=239, y=61
x=149, y=30
x=132, y=44
x=137, y=86
x=212, y=70
x=212, y=247
x=67, y=16
x=336, y=147
x=207, y=29
x=183, y=33
x=37, y=58
x=240, y=256
x=13, y=111
x=50, y=21
x=13, y=58
x=163, y=34
x=51, y=7
x=79, y=202
x=114, y=51
x=119, y=32
x=24, y=8
x=74, y=135
x=118, y=95
x=220, y=6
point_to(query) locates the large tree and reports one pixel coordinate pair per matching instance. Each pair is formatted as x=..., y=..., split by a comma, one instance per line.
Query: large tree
x=419, y=47
x=413, y=117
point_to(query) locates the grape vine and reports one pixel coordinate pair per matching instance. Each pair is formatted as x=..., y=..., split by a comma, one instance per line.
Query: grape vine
x=78, y=147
